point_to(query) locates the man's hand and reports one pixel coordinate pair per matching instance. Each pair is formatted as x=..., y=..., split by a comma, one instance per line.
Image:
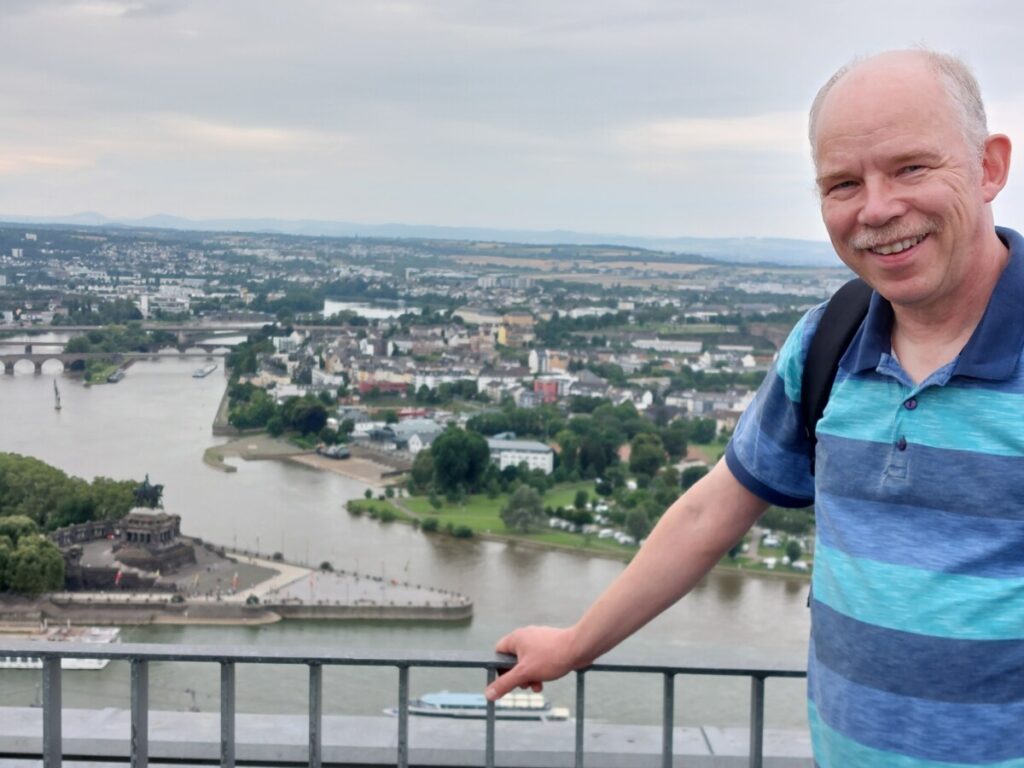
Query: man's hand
x=543, y=653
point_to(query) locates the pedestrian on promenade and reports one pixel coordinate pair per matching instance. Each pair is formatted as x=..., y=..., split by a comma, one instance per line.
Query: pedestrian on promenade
x=917, y=613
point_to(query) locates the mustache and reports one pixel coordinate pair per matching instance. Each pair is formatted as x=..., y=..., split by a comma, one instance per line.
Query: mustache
x=891, y=233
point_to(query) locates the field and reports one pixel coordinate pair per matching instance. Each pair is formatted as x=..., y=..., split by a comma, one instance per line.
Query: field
x=483, y=515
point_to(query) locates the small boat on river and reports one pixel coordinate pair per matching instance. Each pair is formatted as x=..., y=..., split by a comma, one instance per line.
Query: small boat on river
x=518, y=705
x=206, y=370
x=47, y=634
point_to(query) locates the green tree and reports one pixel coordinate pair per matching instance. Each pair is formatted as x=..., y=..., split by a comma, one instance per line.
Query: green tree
x=582, y=497
x=691, y=475
x=460, y=458
x=422, y=471
x=6, y=553
x=524, y=510
x=638, y=524
x=16, y=527
x=702, y=430
x=36, y=566
x=646, y=454
x=673, y=438
x=793, y=550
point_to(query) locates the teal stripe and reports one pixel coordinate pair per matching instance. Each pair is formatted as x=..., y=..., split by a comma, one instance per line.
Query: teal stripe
x=921, y=602
x=947, y=417
x=790, y=363
x=834, y=750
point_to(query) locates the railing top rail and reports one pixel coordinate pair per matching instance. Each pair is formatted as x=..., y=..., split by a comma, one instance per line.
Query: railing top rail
x=342, y=657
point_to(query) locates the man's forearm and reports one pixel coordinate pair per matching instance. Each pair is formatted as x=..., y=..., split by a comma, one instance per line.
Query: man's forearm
x=691, y=537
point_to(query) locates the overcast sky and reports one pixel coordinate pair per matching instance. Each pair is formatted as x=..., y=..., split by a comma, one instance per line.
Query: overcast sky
x=641, y=117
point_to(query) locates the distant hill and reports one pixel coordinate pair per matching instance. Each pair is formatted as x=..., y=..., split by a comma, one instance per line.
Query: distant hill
x=742, y=250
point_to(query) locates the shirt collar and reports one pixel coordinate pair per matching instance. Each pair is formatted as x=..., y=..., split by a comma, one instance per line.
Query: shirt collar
x=994, y=347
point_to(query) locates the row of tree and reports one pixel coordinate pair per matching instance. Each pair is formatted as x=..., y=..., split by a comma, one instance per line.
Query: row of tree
x=120, y=338
x=30, y=564
x=254, y=408
x=49, y=498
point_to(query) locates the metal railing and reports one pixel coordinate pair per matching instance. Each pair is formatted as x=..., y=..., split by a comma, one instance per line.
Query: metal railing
x=140, y=655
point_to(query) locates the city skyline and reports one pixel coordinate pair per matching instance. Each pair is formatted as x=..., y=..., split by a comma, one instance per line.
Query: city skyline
x=654, y=120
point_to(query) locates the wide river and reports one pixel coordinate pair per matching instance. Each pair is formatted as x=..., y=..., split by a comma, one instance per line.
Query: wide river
x=157, y=421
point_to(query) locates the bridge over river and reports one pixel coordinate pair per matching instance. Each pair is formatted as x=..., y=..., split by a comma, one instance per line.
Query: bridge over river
x=67, y=359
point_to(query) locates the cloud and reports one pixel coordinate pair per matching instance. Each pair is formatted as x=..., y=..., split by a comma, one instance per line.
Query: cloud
x=15, y=162
x=124, y=8
x=244, y=137
x=772, y=132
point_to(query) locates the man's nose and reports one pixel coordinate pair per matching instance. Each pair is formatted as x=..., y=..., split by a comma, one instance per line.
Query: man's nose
x=881, y=205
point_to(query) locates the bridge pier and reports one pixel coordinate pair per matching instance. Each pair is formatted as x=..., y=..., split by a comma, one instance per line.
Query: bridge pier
x=9, y=368
x=39, y=367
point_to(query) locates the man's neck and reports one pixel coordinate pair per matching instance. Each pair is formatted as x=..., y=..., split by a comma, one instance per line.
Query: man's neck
x=925, y=338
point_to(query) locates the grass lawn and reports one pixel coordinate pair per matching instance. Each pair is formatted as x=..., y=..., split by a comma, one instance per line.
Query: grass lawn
x=483, y=515
x=377, y=509
x=98, y=373
x=709, y=452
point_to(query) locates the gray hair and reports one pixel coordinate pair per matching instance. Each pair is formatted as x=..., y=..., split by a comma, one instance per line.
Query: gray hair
x=958, y=82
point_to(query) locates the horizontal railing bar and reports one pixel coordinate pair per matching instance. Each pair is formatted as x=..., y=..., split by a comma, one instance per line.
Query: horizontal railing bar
x=366, y=658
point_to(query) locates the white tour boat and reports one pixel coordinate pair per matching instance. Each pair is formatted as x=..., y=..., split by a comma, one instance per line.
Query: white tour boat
x=98, y=635
x=518, y=705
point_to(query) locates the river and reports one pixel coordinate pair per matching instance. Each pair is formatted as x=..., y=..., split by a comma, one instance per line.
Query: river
x=157, y=421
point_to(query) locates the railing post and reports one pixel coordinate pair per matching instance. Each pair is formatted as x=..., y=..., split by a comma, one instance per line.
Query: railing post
x=52, y=745
x=227, y=714
x=403, y=716
x=492, y=674
x=581, y=696
x=140, y=713
x=667, y=719
x=756, y=721
x=316, y=700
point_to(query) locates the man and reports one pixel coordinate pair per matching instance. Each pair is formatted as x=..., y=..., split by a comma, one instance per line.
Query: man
x=917, y=640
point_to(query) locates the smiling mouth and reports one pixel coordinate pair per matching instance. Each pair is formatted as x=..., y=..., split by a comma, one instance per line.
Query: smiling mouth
x=898, y=247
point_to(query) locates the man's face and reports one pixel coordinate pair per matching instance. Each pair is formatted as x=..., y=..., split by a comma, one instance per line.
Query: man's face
x=900, y=189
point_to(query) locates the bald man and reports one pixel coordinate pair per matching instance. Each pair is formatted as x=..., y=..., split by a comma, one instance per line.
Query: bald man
x=917, y=641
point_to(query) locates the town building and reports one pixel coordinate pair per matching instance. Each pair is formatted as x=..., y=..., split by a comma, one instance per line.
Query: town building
x=511, y=453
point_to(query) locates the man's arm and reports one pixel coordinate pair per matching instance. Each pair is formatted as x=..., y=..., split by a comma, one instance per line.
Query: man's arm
x=692, y=535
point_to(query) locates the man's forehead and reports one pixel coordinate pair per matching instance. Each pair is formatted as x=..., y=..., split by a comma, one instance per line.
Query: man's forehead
x=894, y=107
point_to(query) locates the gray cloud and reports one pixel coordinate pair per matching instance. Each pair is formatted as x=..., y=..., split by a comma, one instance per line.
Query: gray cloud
x=646, y=117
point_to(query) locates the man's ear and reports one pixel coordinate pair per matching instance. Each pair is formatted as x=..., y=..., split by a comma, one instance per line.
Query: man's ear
x=995, y=165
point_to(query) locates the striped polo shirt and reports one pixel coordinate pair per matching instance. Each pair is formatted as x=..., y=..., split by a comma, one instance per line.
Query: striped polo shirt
x=917, y=611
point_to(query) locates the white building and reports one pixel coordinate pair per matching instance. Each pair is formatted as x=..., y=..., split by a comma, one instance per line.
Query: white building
x=510, y=453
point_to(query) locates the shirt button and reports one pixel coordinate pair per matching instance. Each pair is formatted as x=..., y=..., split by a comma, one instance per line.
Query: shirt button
x=901, y=444
x=910, y=404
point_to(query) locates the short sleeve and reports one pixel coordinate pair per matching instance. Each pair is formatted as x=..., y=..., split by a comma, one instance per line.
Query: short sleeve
x=769, y=452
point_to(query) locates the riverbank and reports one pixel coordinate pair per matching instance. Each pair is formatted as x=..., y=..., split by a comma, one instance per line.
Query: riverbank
x=262, y=447
x=587, y=546
x=355, y=467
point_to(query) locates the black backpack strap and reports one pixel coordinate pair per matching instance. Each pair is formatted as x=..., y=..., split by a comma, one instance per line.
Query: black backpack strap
x=843, y=315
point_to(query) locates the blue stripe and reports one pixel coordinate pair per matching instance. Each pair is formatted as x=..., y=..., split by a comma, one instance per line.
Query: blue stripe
x=941, y=669
x=790, y=363
x=923, y=602
x=870, y=408
x=929, y=539
x=982, y=733
x=833, y=750
x=758, y=488
x=956, y=481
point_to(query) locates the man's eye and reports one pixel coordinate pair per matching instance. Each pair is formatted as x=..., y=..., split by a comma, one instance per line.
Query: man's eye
x=911, y=169
x=840, y=186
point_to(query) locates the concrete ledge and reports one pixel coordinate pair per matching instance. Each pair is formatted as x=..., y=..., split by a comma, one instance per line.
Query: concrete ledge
x=356, y=741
